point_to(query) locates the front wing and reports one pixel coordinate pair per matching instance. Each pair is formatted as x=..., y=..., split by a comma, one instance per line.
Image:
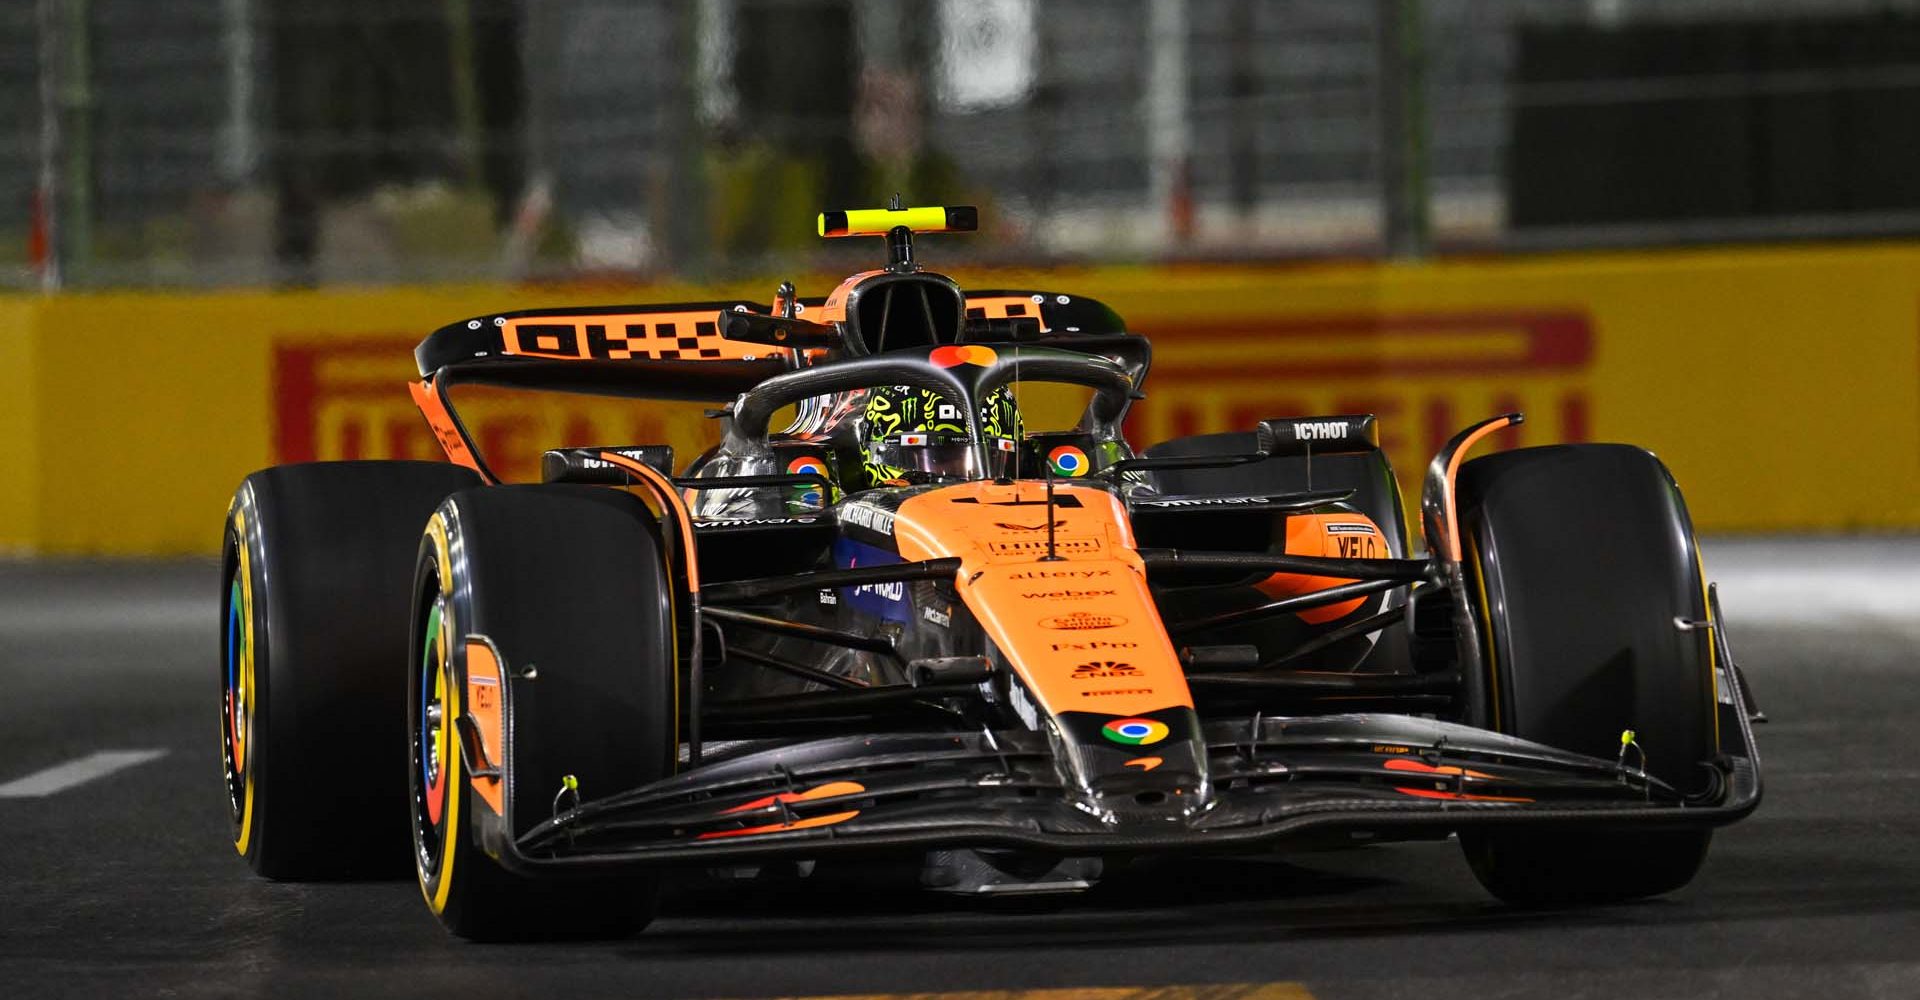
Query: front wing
x=1271, y=780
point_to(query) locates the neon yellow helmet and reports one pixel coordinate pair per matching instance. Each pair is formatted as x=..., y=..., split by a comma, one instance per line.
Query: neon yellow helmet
x=915, y=436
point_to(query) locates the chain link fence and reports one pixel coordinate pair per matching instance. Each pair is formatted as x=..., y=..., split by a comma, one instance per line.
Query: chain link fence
x=274, y=142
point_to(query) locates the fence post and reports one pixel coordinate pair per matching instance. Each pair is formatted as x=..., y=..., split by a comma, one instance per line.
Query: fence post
x=1169, y=134
x=1403, y=129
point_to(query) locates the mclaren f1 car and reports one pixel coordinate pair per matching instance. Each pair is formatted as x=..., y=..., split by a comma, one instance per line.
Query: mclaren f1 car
x=885, y=617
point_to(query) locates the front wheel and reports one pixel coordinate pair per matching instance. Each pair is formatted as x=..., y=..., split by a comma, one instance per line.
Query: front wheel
x=1583, y=574
x=567, y=586
x=1540, y=868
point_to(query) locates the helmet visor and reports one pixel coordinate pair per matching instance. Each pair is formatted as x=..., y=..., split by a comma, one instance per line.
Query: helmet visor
x=925, y=458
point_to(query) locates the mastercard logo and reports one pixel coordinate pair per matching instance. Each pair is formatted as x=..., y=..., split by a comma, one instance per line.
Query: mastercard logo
x=1068, y=461
x=956, y=355
x=1134, y=732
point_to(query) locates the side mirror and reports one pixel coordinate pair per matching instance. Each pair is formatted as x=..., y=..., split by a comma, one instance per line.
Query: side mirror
x=1300, y=436
x=778, y=331
x=584, y=465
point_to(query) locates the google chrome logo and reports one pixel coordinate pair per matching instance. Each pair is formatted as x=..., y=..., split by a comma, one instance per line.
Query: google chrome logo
x=805, y=465
x=1068, y=461
x=1134, y=732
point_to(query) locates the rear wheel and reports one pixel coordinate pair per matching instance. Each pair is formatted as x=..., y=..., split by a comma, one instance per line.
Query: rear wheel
x=1580, y=561
x=567, y=582
x=316, y=572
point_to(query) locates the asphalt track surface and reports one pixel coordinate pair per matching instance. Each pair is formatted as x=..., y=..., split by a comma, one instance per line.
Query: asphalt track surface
x=122, y=882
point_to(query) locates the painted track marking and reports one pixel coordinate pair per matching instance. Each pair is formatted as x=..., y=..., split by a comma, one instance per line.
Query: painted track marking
x=60, y=777
x=1221, y=991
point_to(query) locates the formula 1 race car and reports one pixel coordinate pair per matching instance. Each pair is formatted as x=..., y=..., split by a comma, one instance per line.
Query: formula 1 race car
x=910, y=625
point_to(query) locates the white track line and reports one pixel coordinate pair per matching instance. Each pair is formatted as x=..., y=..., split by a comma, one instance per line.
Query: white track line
x=1842, y=582
x=61, y=777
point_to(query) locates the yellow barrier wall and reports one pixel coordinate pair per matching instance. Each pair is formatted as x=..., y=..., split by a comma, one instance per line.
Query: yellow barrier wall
x=19, y=428
x=1781, y=385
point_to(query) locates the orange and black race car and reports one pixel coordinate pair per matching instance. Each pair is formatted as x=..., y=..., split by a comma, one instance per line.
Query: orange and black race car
x=890, y=615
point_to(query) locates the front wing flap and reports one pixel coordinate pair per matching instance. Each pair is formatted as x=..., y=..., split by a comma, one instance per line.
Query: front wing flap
x=1270, y=779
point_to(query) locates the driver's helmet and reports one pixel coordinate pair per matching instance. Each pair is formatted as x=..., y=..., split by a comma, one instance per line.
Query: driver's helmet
x=912, y=436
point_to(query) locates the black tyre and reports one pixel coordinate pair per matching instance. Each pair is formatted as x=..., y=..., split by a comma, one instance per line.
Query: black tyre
x=317, y=570
x=1580, y=559
x=570, y=582
x=1571, y=868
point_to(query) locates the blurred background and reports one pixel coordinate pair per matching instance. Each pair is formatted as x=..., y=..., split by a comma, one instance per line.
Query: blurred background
x=202, y=143
x=1687, y=223
x=1692, y=225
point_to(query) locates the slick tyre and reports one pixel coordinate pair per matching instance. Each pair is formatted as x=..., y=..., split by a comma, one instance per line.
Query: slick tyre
x=1580, y=559
x=569, y=587
x=1571, y=868
x=316, y=571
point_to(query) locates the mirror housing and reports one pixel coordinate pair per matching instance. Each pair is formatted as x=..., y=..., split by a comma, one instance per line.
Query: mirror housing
x=1353, y=434
x=779, y=331
x=584, y=465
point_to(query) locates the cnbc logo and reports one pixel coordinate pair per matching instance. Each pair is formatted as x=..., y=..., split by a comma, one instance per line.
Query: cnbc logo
x=1104, y=668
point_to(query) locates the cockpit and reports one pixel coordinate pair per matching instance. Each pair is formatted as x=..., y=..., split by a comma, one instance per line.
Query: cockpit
x=943, y=414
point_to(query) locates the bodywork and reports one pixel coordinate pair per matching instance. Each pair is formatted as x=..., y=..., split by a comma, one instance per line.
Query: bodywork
x=1071, y=664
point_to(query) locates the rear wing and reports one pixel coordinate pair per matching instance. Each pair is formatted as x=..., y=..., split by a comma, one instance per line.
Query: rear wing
x=1057, y=320
x=670, y=352
x=1056, y=314
x=691, y=331
x=679, y=332
x=680, y=351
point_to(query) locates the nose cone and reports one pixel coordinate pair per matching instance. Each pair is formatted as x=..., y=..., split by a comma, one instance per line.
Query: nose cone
x=1148, y=770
